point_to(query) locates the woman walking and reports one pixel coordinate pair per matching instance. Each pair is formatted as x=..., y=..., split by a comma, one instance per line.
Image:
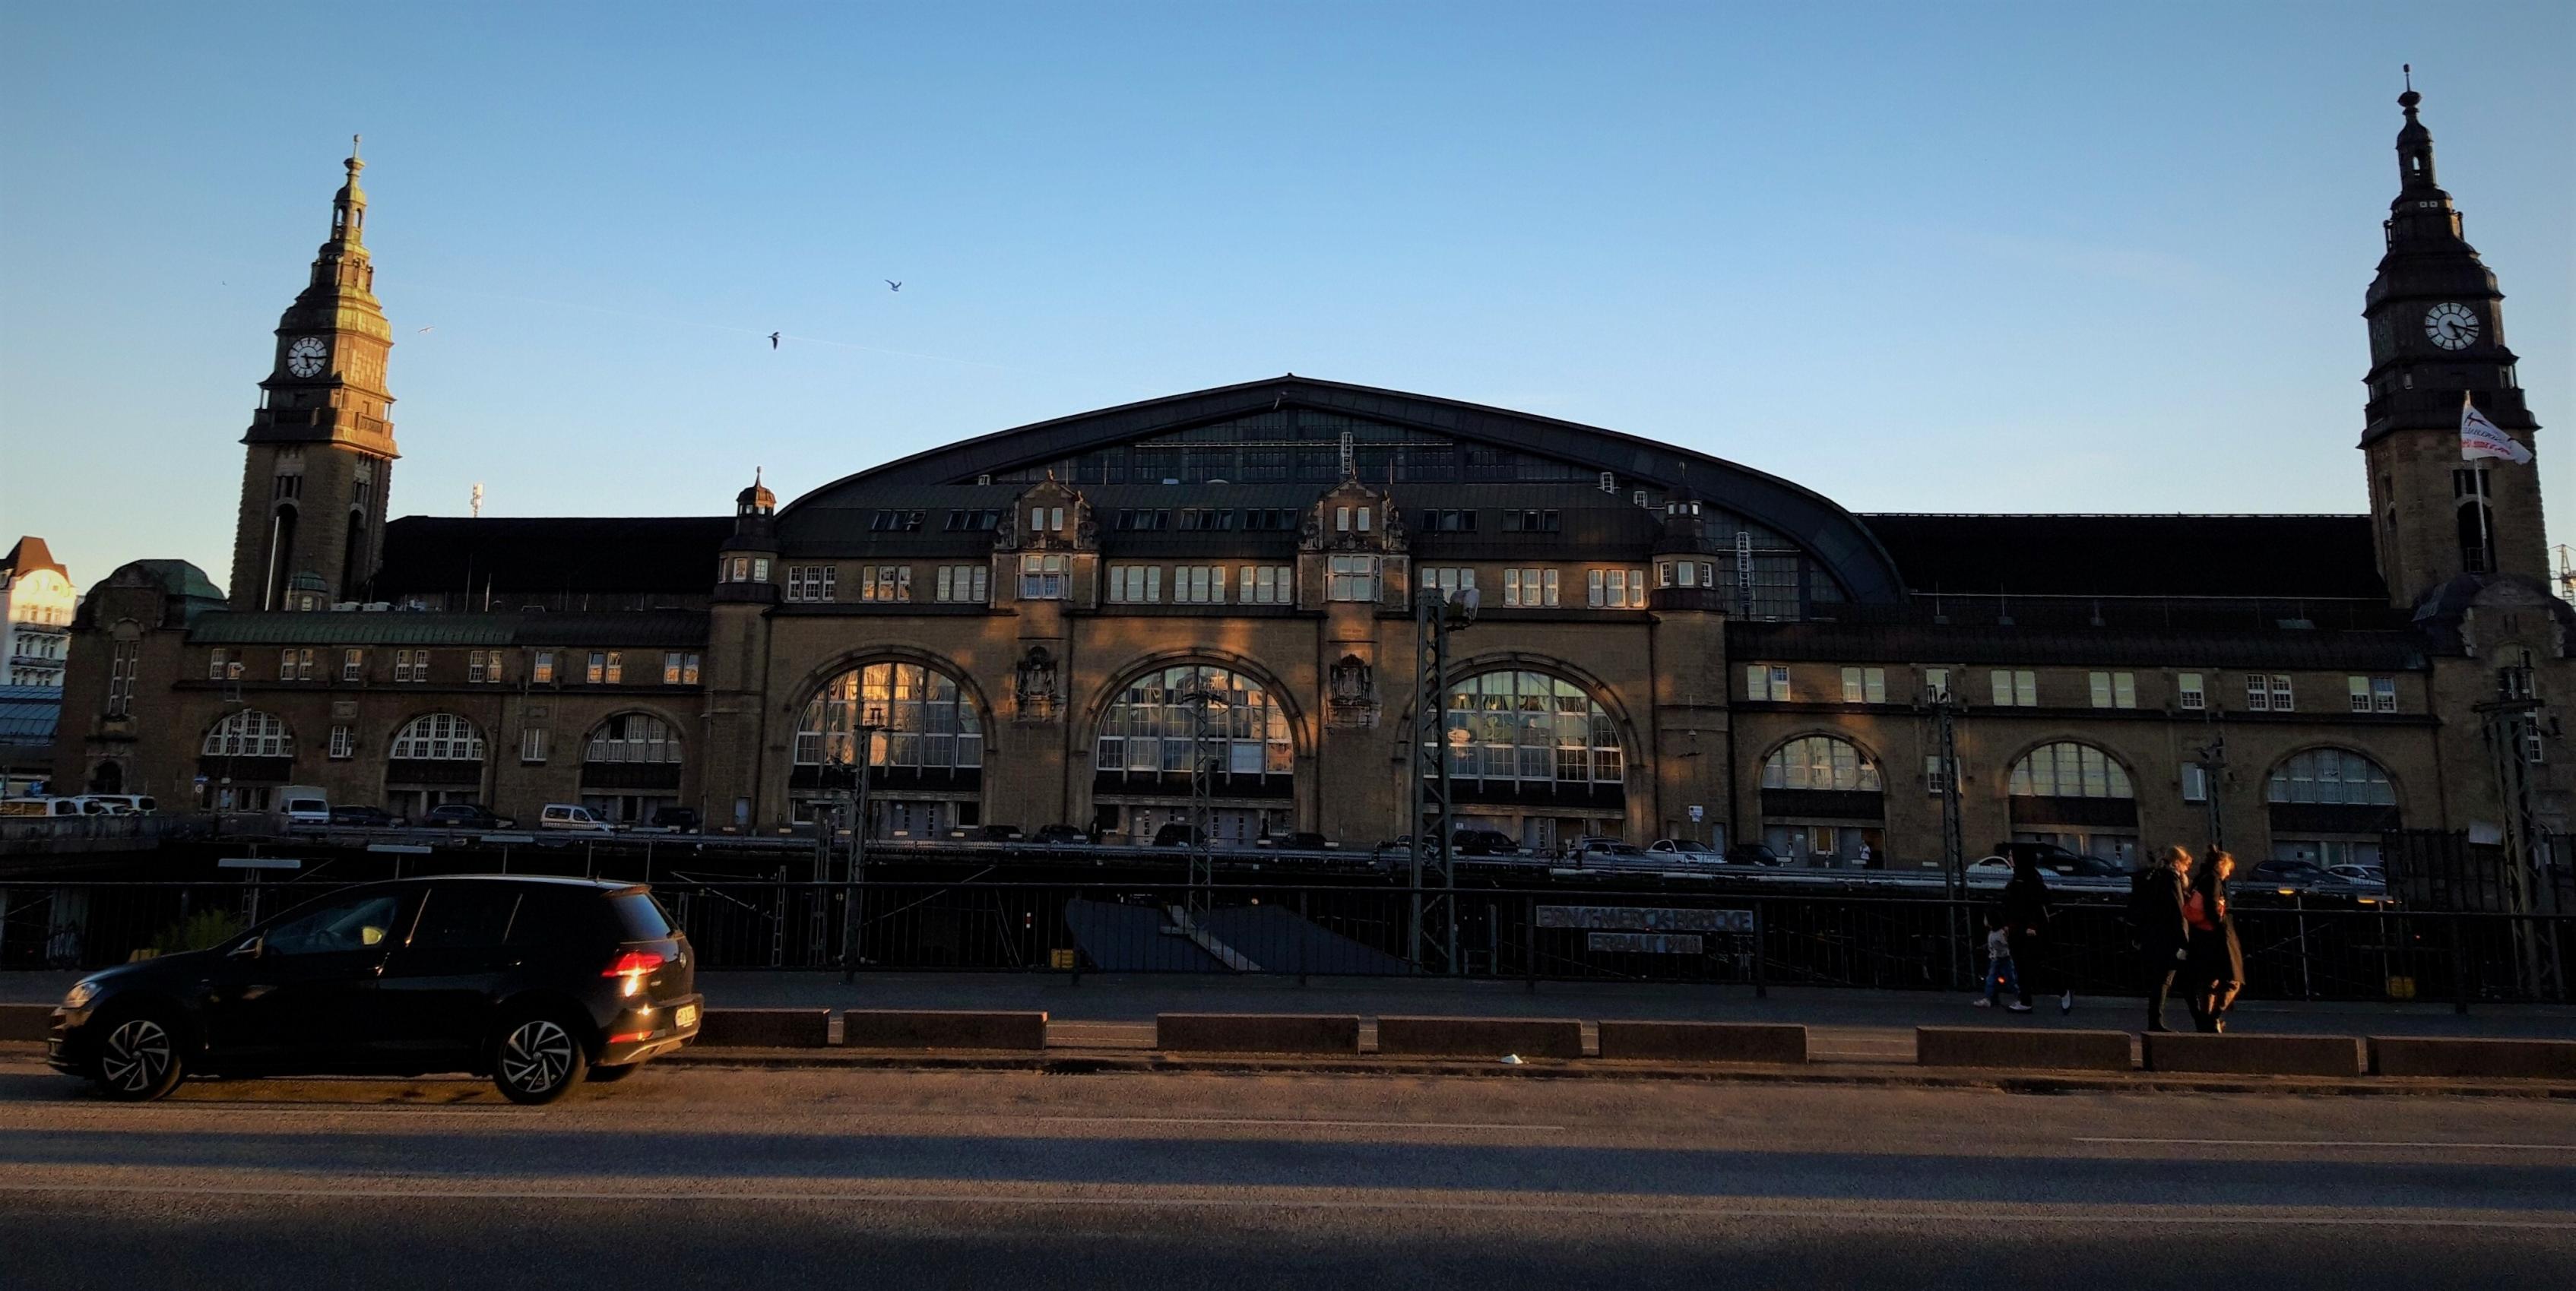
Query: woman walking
x=2217, y=963
x=2026, y=928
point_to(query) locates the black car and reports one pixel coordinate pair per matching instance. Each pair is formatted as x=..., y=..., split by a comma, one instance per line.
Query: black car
x=1177, y=834
x=1483, y=842
x=1753, y=854
x=364, y=817
x=535, y=982
x=1060, y=836
x=679, y=820
x=463, y=815
x=2290, y=873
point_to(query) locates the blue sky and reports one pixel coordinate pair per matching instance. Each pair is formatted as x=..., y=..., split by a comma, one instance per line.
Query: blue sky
x=1917, y=257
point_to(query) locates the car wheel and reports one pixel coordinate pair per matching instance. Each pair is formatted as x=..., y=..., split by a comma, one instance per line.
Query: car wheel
x=612, y=1075
x=537, y=1059
x=139, y=1059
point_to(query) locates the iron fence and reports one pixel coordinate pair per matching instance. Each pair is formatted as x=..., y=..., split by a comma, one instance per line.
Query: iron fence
x=2292, y=951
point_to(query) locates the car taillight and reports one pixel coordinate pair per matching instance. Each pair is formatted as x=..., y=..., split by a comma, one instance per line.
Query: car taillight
x=634, y=966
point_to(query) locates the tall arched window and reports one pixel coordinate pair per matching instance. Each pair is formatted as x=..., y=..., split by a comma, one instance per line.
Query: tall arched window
x=2070, y=770
x=249, y=733
x=1531, y=728
x=2335, y=777
x=918, y=718
x=1820, y=762
x=1149, y=726
x=632, y=737
x=438, y=737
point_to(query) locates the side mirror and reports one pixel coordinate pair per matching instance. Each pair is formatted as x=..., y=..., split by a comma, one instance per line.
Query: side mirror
x=251, y=949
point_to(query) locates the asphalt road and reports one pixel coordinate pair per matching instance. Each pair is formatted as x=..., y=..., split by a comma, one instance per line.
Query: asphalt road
x=711, y=1177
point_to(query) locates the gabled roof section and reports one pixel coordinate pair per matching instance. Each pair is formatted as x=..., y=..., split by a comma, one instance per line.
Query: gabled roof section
x=2288, y=556
x=1834, y=536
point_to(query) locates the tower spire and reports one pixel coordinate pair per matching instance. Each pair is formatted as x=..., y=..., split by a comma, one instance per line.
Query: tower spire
x=349, y=205
x=2414, y=145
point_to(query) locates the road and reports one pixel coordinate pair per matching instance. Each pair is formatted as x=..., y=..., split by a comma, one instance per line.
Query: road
x=713, y=1177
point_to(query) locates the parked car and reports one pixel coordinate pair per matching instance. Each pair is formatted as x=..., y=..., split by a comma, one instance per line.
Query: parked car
x=1060, y=836
x=2288, y=873
x=2057, y=860
x=572, y=816
x=125, y=804
x=1686, y=849
x=991, y=833
x=2365, y=875
x=357, y=816
x=1176, y=834
x=1306, y=840
x=304, y=804
x=40, y=807
x=678, y=820
x=1483, y=842
x=464, y=815
x=535, y=982
x=1754, y=854
x=1594, y=849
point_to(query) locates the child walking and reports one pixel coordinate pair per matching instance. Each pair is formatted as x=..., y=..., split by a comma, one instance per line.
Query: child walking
x=1999, y=963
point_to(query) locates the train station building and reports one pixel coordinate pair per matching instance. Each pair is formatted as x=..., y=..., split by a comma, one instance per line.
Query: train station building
x=1052, y=623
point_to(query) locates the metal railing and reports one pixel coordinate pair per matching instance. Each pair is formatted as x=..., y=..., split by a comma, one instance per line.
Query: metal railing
x=1758, y=940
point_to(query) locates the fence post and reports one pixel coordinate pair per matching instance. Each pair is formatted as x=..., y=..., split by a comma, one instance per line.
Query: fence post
x=1761, y=981
x=1529, y=943
x=2459, y=965
x=1302, y=894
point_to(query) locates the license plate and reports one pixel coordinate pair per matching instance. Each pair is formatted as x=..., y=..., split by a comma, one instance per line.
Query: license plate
x=685, y=1016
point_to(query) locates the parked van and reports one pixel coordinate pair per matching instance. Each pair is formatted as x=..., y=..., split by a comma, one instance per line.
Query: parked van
x=574, y=816
x=23, y=808
x=304, y=804
x=126, y=804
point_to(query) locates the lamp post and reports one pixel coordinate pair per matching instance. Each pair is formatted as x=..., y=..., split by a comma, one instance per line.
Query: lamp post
x=872, y=718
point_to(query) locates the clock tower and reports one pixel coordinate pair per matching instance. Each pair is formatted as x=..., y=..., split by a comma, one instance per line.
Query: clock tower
x=321, y=445
x=2437, y=334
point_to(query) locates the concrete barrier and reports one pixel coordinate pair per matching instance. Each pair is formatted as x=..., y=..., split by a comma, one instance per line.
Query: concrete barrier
x=765, y=1028
x=2438, y=1056
x=942, y=1029
x=25, y=1021
x=1256, y=1033
x=1481, y=1037
x=2255, y=1055
x=2039, y=1048
x=1705, y=1041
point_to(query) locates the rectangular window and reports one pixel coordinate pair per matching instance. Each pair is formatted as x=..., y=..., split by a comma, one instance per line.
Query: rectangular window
x=216, y=667
x=1041, y=577
x=411, y=665
x=1864, y=685
x=1198, y=584
x=760, y=569
x=123, y=658
x=1936, y=685
x=2374, y=694
x=1354, y=578
x=286, y=665
x=544, y=672
x=1530, y=588
x=2115, y=690
x=2188, y=692
x=1267, y=584
x=885, y=583
x=812, y=582
x=670, y=668
x=2268, y=694
x=1448, y=580
x=616, y=667
x=1341, y=519
x=1766, y=682
x=344, y=744
x=1135, y=584
x=2015, y=689
x=1934, y=782
x=474, y=666
x=532, y=744
x=964, y=583
x=598, y=671
x=2195, y=782
x=1616, y=589
x=353, y=665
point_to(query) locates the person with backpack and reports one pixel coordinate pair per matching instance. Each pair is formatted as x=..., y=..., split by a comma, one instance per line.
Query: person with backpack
x=2160, y=931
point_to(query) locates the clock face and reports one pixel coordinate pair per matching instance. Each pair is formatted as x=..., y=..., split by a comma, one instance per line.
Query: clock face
x=2452, y=326
x=305, y=357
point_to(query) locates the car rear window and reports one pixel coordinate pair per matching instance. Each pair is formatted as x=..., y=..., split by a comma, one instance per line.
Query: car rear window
x=639, y=917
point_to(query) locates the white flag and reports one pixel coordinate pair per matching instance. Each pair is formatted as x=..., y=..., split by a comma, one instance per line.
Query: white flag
x=2480, y=437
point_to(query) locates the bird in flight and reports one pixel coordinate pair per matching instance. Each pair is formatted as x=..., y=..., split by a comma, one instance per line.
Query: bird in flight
x=773, y=340
x=426, y=329
x=892, y=285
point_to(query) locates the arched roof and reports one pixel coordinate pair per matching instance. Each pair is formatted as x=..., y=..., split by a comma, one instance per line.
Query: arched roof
x=1837, y=539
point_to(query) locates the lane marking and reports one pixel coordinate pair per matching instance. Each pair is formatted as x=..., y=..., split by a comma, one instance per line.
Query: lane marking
x=2336, y=1143
x=1290, y=1122
x=1613, y=1208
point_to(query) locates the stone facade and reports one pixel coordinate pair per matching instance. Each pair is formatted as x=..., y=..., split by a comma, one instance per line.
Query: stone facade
x=1052, y=624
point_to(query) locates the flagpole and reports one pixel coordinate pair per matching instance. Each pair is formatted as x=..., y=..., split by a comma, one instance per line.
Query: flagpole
x=2478, y=487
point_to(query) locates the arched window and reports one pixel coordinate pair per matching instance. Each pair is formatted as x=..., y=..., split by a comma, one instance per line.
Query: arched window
x=1820, y=762
x=632, y=737
x=2070, y=770
x=1531, y=726
x=249, y=733
x=918, y=717
x=2337, y=777
x=438, y=737
x=1149, y=726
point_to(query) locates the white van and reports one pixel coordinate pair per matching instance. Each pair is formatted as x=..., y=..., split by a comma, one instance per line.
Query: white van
x=573, y=816
x=304, y=804
x=125, y=804
x=23, y=808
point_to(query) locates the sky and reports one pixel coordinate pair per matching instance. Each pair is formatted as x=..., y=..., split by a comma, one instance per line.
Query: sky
x=1947, y=257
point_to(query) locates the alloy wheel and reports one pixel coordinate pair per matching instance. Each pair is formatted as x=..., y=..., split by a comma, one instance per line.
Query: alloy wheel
x=537, y=1056
x=136, y=1056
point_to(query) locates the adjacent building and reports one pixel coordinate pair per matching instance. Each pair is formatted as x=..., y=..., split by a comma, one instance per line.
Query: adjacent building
x=37, y=598
x=1063, y=622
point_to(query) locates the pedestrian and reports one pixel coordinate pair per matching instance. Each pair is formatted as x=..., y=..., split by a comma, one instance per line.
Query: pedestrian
x=2026, y=928
x=1999, y=963
x=2216, y=971
x=2161, y=933
x=1864, y=853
